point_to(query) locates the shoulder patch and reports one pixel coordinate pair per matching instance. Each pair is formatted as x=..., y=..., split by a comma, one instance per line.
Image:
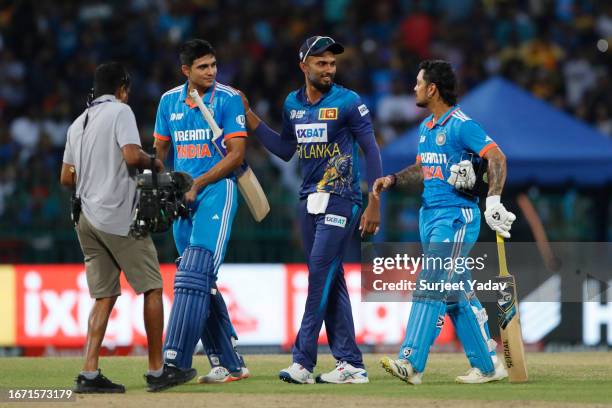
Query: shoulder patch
x=363, y=110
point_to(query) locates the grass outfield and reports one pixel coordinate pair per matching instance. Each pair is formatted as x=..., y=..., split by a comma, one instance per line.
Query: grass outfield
x=555, y=379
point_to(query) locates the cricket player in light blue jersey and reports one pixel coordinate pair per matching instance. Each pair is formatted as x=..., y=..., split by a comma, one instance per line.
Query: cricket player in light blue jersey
x=449, y=225
x=198, y=311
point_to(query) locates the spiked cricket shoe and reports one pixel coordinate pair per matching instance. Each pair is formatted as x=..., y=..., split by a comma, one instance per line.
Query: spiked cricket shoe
x=401, y=369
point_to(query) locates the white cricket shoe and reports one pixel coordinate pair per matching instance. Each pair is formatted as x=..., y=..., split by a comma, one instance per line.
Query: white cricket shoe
x=220, y=375
x=296, y=374
x=475, y=376
x=344, y=373
x=401, y=369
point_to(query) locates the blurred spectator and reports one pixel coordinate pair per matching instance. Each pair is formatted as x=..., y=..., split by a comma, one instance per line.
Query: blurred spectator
x=548, y=47
x=396, y=111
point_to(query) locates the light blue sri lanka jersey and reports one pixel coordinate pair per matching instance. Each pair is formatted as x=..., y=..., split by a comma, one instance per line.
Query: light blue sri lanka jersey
x=327, y=134
x=444, y=143
x=180, y=121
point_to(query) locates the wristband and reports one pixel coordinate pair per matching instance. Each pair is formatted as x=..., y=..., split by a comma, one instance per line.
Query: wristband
x=493, y=200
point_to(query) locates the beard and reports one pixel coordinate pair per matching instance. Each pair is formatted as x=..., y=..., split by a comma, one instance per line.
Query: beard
x=421, y=104
x=323, y=87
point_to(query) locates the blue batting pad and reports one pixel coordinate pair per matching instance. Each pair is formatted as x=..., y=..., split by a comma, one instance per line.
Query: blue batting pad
x=217, y=336
x=424, y=325
x=190, y=308
x=471, y=333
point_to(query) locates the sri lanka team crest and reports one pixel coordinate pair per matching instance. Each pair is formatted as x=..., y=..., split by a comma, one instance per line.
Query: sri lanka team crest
x=328, y=113
x=338, y=175
x=440, y=138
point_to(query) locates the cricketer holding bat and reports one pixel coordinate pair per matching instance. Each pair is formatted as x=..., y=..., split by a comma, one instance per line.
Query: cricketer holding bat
x=449, y=225
x=326, y=123
x=198, y=310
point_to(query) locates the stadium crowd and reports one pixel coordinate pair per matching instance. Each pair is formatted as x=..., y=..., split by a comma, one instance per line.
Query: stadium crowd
x=556, y=49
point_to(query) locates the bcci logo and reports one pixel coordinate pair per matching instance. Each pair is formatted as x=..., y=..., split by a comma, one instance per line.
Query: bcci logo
x=440, y=138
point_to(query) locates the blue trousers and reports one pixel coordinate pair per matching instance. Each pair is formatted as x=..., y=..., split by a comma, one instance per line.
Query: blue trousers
x=209, y=227
x=325, y=238
x=447, y=233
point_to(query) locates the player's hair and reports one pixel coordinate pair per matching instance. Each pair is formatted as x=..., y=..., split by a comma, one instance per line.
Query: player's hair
x=194, y=49
x=109, y=77
x=441, y=73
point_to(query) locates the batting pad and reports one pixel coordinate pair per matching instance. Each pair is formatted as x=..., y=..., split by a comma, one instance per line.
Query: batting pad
x=217, y=336
x=424, y=325
x=191, y=306
x=470, y=333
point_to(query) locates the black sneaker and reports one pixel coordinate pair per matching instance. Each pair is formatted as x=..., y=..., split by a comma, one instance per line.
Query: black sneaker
x=171, y=376
x=98, y=385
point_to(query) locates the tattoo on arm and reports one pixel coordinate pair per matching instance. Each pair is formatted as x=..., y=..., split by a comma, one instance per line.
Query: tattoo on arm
x=411, y=176
x=497, y=174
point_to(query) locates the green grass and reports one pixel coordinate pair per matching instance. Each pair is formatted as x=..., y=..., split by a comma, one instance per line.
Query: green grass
x=554, y=377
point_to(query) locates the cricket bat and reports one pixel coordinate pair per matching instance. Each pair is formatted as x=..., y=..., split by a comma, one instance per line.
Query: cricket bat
x=509, y=321
x=248, y=184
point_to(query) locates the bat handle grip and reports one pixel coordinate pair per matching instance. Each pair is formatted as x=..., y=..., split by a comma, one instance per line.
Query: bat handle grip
x=501, y=253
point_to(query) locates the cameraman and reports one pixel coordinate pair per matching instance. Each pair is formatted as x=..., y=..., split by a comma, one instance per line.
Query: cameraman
x=101, y=159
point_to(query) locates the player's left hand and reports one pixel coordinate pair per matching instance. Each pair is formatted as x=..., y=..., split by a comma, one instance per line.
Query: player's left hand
x=370, y=220
x=498, y=218
x=462, y=175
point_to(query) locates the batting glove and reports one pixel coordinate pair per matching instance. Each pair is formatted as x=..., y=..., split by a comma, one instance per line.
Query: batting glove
x=462, y=175
x=498, y=218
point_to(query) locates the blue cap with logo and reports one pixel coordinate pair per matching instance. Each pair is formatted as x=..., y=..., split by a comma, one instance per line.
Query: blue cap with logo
x=318, y=45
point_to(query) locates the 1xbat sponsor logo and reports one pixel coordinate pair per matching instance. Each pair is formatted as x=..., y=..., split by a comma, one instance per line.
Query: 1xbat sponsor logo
x=311, y=133
x=336, y=220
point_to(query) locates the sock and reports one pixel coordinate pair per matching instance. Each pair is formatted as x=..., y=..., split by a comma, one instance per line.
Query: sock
x=156, y=373
x=90, y=375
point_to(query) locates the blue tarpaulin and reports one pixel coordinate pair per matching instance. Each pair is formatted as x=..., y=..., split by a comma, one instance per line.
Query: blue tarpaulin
x=542, y=144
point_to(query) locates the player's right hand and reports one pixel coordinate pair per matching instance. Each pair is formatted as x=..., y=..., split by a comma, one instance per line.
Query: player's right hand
x=382, y=184
x=191, y=196
x=497, y=217
x=462, y=175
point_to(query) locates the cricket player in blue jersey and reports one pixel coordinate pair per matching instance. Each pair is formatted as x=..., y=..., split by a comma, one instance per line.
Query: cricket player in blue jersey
x=326, y=124
x=449, y=226
x=198, y=310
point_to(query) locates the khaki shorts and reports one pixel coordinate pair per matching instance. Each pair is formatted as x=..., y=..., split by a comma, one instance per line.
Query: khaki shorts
x=106, y=255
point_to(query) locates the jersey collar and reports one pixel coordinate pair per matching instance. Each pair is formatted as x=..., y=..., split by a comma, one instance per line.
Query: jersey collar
x=430, y=123
x=206, y=98
x=301, y=95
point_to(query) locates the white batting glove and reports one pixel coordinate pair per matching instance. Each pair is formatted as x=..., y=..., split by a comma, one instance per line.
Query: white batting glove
x=462, y=175
x=498, y=218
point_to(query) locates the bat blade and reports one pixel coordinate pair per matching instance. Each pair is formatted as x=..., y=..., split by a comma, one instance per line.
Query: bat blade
x=253, y=195
x=509, y=321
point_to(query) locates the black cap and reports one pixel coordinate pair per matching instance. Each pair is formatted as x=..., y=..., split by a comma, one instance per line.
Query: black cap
x=318, y=45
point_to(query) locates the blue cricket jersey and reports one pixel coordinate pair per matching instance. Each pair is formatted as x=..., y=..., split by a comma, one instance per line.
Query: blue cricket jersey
x=327, y=134
x=443, y=144
x=180, y=121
